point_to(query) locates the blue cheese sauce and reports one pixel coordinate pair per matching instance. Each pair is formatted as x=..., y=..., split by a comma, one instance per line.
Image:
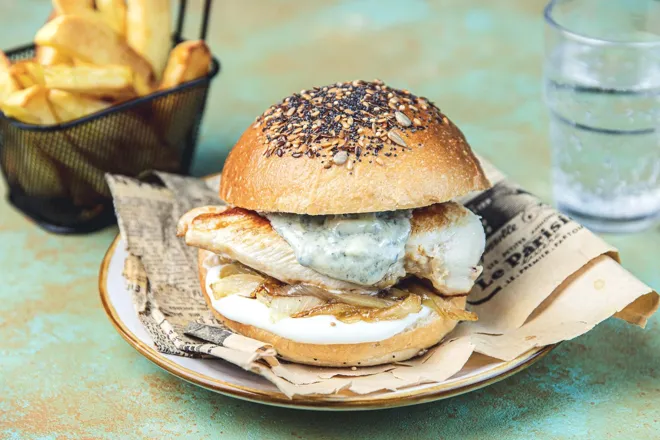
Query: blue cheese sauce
x=359, y=248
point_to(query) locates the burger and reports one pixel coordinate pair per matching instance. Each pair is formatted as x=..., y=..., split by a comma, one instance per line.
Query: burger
x=339, y=243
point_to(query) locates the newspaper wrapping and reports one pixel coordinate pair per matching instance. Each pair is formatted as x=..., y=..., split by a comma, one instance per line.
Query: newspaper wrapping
x=545, y=279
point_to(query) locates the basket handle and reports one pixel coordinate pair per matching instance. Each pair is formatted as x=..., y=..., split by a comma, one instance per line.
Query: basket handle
x=181, y=17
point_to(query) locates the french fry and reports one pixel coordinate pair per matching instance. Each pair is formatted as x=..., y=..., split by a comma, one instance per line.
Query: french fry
x=113, y=13
x=70, y=106
x=86, y=9
x=5, y=64
x=27, y=74
x=188, y=60
x=18, y=112
x=7, y=83
x=73, y=7
x=49, y=56
x=104, y=81
x=118, y=95
x=148, y=31
x=29, y=105
x=36, y=71
x=94, y=42
x=21, y=77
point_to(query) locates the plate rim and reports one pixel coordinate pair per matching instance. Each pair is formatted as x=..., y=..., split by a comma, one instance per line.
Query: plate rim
x=301, y=402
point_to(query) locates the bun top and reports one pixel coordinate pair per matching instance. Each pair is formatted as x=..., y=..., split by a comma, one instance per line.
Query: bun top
x=350, y=148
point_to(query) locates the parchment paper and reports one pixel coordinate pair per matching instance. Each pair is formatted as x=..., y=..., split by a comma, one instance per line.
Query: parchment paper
x=546, y=279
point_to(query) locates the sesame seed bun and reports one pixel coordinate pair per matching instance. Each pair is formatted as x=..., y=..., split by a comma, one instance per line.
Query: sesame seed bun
x=405, y=345
x=350, y=148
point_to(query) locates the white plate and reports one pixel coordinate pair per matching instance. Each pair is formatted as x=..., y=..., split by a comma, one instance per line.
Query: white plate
x=225, y=378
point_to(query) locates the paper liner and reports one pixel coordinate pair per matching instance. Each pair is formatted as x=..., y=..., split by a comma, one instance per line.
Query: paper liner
x=546, y=279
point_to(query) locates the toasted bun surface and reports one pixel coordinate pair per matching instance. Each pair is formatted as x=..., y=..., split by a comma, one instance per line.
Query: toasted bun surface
x=350, y=148
x=399, y=347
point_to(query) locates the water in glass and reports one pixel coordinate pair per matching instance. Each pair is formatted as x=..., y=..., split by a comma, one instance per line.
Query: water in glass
x=604, y=102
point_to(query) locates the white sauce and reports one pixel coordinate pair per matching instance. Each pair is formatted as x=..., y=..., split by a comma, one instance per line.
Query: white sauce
x=323, y=329
x=360, y=248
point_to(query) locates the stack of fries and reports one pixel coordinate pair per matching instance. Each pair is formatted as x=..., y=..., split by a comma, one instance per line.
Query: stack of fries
x=91, y=55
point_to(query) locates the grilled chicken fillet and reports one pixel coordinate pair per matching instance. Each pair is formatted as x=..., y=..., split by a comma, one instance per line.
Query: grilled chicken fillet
x=444, y=244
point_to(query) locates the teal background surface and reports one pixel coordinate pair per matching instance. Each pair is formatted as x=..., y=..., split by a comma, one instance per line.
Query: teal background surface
x=65, y=373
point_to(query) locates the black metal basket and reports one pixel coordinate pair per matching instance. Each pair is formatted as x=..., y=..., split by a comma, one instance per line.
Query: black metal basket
x=55, y=174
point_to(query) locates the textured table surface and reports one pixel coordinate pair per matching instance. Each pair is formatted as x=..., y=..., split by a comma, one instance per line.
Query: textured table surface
x=65, y=373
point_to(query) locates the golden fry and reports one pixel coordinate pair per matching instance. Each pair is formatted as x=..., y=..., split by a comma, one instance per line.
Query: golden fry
x=49, y=56
x=5, y=64
x=149, y=31
x=91, y=80
x=18, y=112
x=7, y=83
x=188, y=60
x=26, y=74
x=73, y=7
x=81, y=8
x=70, y=106
x=29, y=105
x=22, y=78
x=94, y=42
x=113, y=13
x=36, y=72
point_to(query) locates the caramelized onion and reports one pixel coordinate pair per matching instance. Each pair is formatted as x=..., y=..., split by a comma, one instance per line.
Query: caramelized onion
x=349, y=313
x=235, y=269
x=442, y=305
x=401, y=309
x=343, y=312
x=239, y=284
x=284, y=306
x=299, y=300
x=361, y=300
x=355, y=299
x=446, y=309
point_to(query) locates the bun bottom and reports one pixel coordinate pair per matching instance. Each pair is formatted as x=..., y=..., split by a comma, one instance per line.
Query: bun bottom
x=400, y=347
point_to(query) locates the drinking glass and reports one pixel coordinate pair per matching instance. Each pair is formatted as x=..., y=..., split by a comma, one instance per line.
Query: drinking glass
x=602, y=90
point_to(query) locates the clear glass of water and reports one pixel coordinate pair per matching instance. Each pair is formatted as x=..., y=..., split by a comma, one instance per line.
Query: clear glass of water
x=602, y=89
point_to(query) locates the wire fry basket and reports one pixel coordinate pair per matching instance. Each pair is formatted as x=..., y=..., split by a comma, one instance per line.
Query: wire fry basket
x=55, y=173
